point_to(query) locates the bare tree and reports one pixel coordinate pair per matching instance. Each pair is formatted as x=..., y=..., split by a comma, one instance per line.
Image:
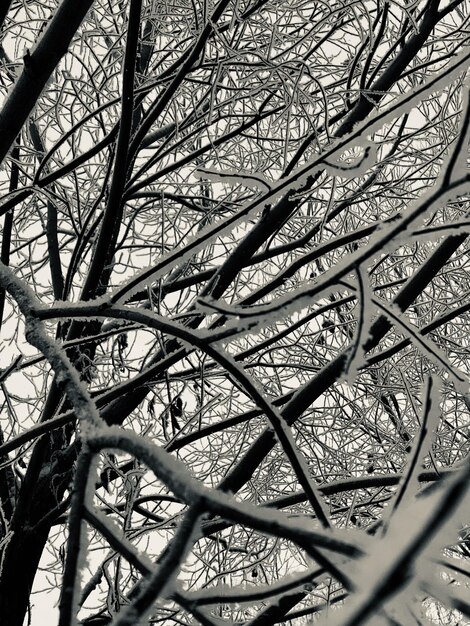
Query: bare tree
x=234, y=304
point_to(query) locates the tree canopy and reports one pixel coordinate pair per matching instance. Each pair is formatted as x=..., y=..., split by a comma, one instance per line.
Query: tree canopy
x=235, y=312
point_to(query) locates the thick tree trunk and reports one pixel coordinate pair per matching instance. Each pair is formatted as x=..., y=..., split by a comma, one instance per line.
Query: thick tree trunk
x=21, y=565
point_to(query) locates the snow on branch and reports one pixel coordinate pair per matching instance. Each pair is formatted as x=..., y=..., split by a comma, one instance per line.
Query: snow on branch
x=422, y=445
x=401, y=556
x=240, y=177
x=77, y=392
x=177, y=479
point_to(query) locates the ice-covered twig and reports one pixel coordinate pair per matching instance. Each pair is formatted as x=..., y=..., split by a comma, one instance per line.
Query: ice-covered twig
x=84, y=409
x=456, y=166
x=122, y=545
x=283, y=275
x=41, y=62
x=358, y=166
x=204, y=597
x=448, y=187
